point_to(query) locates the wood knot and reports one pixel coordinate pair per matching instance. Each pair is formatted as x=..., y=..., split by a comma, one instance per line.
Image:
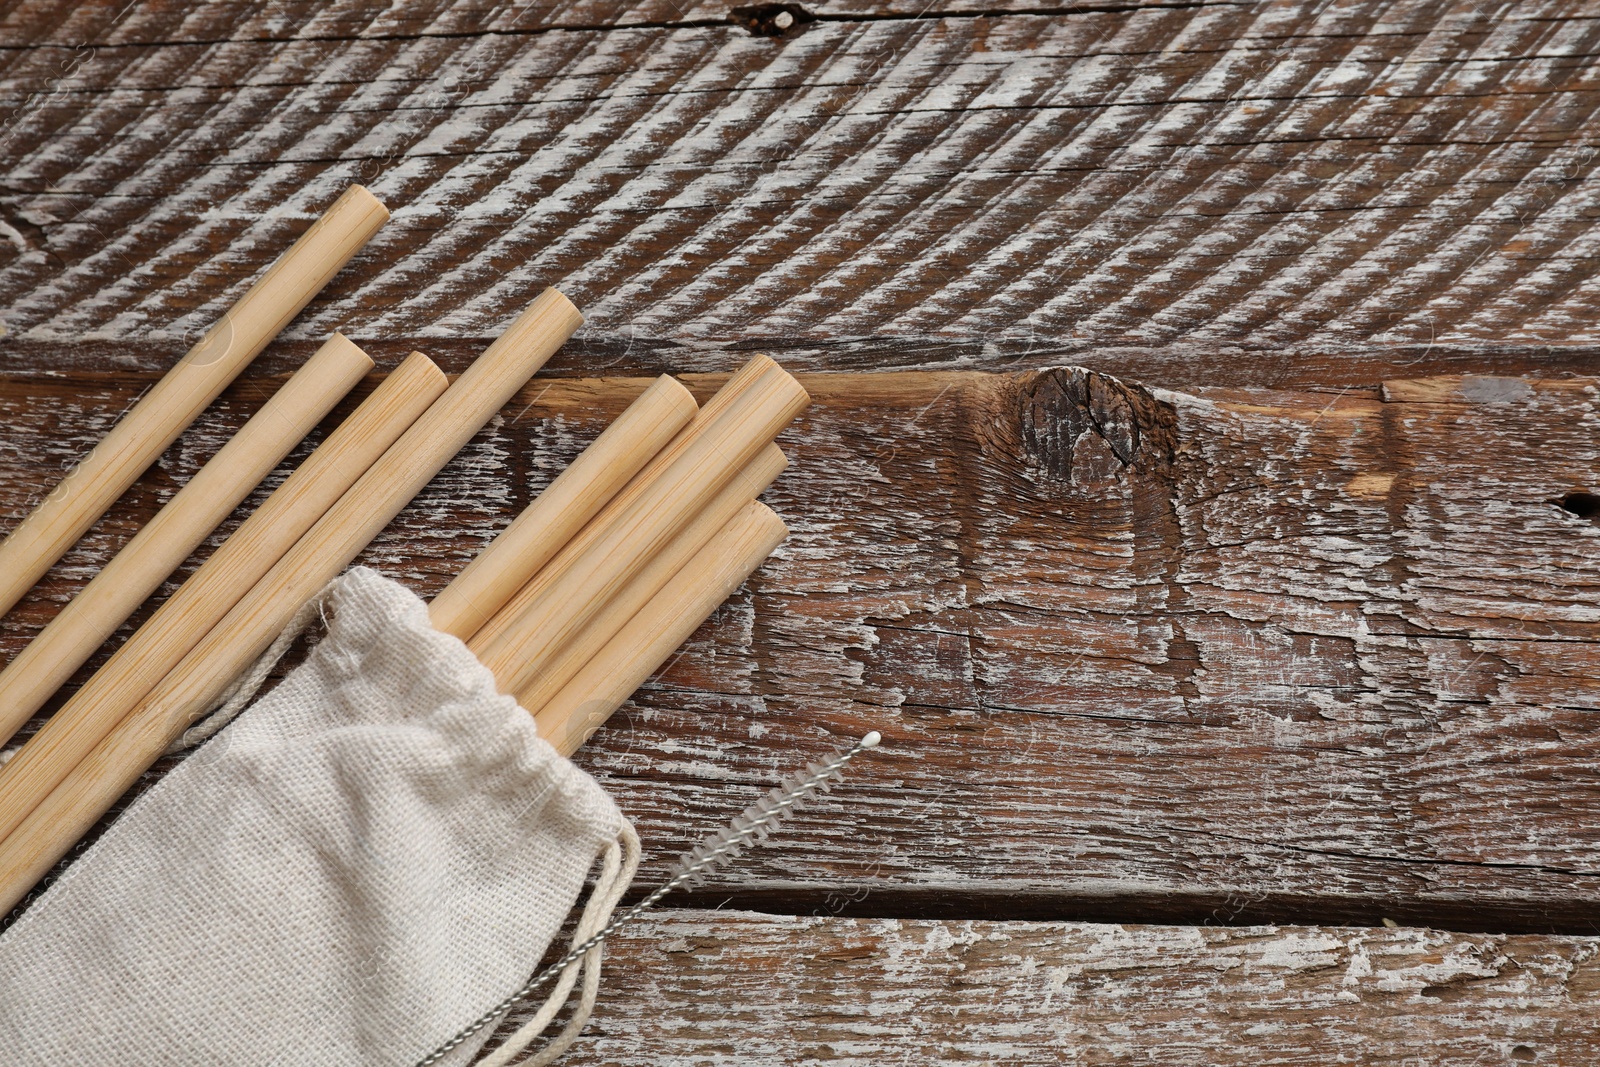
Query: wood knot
x=772, y=20
x=1583, y=505
x=1082, y=427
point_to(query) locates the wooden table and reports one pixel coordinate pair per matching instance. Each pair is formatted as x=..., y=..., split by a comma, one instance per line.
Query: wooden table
x=1202, y=493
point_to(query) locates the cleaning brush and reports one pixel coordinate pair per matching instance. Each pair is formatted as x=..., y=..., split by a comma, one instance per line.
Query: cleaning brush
x=750, y=827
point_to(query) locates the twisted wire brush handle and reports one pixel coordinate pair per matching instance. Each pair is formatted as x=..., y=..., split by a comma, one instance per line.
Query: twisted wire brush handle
x=749, y=827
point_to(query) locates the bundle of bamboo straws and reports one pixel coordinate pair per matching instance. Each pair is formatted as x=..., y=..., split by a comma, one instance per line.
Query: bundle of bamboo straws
x=571, y=607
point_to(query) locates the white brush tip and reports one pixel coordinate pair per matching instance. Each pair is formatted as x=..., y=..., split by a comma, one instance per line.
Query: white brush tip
x=871, y=740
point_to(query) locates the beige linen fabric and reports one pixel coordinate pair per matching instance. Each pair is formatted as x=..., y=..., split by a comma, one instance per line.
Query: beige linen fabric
x=358, y=866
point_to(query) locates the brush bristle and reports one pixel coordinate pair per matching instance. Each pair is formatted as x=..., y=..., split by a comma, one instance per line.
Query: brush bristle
x=751, y=826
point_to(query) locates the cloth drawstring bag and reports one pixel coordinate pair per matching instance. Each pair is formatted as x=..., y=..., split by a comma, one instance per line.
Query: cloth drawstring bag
x=348, y=873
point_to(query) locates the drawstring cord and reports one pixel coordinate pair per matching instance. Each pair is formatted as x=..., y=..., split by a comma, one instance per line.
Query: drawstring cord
x=621, y=863
x=244, y=689
x=750, y=827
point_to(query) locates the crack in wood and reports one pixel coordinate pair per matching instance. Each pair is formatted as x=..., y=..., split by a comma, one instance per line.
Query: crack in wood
x=737, y=18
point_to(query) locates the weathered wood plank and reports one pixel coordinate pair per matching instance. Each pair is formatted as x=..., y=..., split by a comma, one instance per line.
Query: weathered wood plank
x=1223, y=174
x=1225, y=655
x=710, y=988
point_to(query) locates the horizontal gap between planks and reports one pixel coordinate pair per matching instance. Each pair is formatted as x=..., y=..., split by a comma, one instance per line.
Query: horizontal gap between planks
x=1190, y=365
x=1579, y=918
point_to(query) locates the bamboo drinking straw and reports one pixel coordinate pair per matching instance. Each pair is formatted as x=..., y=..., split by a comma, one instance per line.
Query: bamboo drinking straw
x=666, y=622
x=177, y=530
x=577, y=494
x=156, y=420
x=88, y=789
x=735, y=388
x=750, y=483
x=260, y=542
x=745, y=415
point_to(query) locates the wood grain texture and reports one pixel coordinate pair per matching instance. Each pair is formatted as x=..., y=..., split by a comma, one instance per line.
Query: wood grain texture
x=1254, y=174
x=713, y=988
x=1216, y=656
